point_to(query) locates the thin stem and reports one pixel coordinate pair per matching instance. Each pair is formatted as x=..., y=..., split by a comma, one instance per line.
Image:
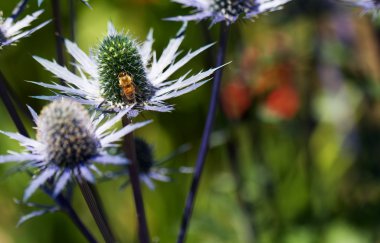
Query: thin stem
x=58, y=32
x=73, y=18
x=24, y=110
x=246, y=207
x=60, y=199
x=10, y=107
x=68, y=209
x=97, y=214
x=130, y=150
x=223, y=39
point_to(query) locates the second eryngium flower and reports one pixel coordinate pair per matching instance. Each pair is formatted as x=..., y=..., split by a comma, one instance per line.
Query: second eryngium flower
x=123, y=73
x=227, y=10
x=69, y=142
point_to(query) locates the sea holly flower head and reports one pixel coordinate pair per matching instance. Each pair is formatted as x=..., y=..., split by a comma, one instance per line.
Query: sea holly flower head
x=123, y=73
x=11, y=31
x=68, y=143
x=227, y=10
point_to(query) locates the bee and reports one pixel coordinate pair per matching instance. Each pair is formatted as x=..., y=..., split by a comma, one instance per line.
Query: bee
x=128, y=88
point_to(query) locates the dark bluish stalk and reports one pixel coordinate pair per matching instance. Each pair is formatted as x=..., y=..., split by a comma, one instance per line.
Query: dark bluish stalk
x=130, y=151
x=60, y=199
x=18, y=102
x=73, y=18
x=68, y=209
x=10, y=107
x=58, y=32
x=91, y=201
x=18, y=10
x=223, y=39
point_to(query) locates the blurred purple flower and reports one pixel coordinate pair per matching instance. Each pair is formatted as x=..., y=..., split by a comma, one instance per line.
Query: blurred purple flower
x=227, y=10
x=368, y=6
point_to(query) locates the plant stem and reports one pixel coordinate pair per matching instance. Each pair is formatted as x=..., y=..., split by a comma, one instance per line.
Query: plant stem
x=92, y=203
x=247, y=207
x=23, y=109
x=68, y=209
x=130, y=151
x=58, y=33
x=60, y=199
x=73, y=16
x=223, y=39
x=10, y=107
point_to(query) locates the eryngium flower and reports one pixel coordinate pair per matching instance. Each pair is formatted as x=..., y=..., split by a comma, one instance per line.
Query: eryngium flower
x=227, y=10
x=368, y=6
x=123, y=73
x=11, y=31
x=68, y=144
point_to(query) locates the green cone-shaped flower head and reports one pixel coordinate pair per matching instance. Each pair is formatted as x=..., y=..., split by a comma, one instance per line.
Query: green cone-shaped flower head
x=64, y=126
x=123, y=78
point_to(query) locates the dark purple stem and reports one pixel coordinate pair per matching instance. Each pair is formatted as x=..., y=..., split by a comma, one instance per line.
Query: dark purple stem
x=73, y=18
x=223, y=39
x=58, y=32
x=130, y=150
x=10, y=107
x=60, y=199
x=68, y=209
x=92, y=203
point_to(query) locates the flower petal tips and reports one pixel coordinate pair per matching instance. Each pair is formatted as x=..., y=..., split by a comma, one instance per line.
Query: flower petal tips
x=11, y=32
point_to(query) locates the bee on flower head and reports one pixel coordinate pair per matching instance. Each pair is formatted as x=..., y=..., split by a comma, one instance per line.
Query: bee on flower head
x=128, y=88
x=122, y=73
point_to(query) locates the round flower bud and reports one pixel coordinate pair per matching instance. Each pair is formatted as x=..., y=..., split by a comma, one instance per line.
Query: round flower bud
x=123, y=78
x=64, y=126
x=144, y=155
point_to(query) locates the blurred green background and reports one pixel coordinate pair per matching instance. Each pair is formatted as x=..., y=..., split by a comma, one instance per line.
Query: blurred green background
x=295, y=152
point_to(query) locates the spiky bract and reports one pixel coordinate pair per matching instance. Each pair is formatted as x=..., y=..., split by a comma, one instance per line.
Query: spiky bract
x=64, y=126
x=118, y=53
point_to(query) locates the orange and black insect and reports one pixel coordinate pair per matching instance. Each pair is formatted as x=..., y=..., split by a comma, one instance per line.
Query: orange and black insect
x=127, y=86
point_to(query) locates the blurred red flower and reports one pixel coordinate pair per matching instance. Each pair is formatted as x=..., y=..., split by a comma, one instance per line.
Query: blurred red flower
x=283, y=102
x=236, y=99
